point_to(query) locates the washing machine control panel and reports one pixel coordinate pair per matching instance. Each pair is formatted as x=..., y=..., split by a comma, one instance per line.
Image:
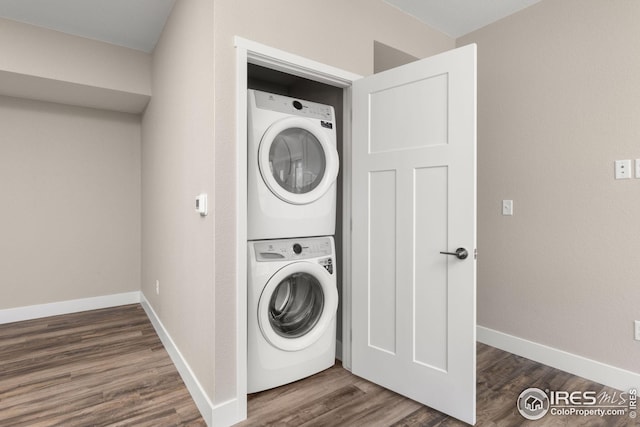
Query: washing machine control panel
x=296, y=249
x=298, y=107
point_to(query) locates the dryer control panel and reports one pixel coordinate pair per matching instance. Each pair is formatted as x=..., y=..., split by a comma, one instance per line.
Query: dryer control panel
x=294, y=249
x=327, y=263
x=298, y=107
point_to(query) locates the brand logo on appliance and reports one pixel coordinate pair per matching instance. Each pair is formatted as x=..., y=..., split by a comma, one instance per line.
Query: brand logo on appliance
x=326, y=124
x=327, y=263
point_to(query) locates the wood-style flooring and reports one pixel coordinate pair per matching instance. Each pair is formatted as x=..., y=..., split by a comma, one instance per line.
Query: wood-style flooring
x=108, y=368
x=96, y=368
x=335, y=397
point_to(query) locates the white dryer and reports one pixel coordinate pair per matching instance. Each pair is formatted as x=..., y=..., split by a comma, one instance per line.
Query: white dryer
x=292, y=165
x=292, y=304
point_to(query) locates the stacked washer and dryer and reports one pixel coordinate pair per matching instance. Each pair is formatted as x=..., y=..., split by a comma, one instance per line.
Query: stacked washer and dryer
x=292, y=288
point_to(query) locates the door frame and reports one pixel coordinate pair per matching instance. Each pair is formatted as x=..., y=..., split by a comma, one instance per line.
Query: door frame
x=248, y=51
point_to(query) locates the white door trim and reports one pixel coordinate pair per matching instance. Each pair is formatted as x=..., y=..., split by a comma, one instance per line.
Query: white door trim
x=248, y=51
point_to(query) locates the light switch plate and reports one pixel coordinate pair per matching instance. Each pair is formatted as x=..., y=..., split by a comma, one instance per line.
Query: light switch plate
x=507, y=207
x=637, y=168
x=623, y=169
x=201, y=204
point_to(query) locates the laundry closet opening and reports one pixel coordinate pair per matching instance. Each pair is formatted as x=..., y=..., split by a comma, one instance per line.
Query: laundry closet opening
x=279, y=83
x=266, y=76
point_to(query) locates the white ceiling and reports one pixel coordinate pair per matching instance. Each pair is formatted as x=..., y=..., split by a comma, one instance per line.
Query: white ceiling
x=137, y=24
x=459, y=17
x=132, y=23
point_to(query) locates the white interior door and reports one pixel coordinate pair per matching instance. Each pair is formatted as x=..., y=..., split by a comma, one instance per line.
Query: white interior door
x=414, y=196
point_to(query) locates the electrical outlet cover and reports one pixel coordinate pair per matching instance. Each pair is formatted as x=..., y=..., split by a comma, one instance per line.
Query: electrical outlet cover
x=623, y=169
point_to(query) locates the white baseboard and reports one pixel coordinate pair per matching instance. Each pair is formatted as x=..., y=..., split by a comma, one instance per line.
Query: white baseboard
x=617, y=378
x=37, y=311
x=193, y=385
x=226, y=413
x=221, y=415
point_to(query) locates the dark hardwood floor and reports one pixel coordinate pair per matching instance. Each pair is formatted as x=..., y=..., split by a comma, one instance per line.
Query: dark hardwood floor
x=108, y=368
x=96, y=368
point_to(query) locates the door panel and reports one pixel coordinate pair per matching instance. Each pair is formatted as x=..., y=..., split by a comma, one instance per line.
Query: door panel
x=430, y=320
x=382, y=273
x=394, y=128
x=414, y=187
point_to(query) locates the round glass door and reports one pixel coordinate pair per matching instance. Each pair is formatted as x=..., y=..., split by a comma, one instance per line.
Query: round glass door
x=297, y=305
x=297, y=161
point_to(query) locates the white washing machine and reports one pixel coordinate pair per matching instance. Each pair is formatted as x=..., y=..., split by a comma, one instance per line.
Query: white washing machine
x=292, y=304
x=292, y=165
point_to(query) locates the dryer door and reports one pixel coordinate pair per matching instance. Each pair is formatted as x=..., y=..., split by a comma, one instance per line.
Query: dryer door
x=297, y=305
x=297, y=161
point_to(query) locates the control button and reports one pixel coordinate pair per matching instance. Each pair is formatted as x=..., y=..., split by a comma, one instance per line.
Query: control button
x=297, y=249
x=297, y=105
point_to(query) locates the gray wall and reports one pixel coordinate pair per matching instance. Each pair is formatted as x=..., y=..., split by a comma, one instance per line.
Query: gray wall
x=178, y=157
x=387, y=57
x=69, y=176
x=558, y=102
x=70, y=189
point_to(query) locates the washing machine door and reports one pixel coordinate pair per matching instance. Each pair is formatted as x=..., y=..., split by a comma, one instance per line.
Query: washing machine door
x=297, y=305
x=297, y=160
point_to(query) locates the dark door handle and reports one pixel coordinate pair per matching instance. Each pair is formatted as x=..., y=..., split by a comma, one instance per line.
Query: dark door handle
x=460, y=253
